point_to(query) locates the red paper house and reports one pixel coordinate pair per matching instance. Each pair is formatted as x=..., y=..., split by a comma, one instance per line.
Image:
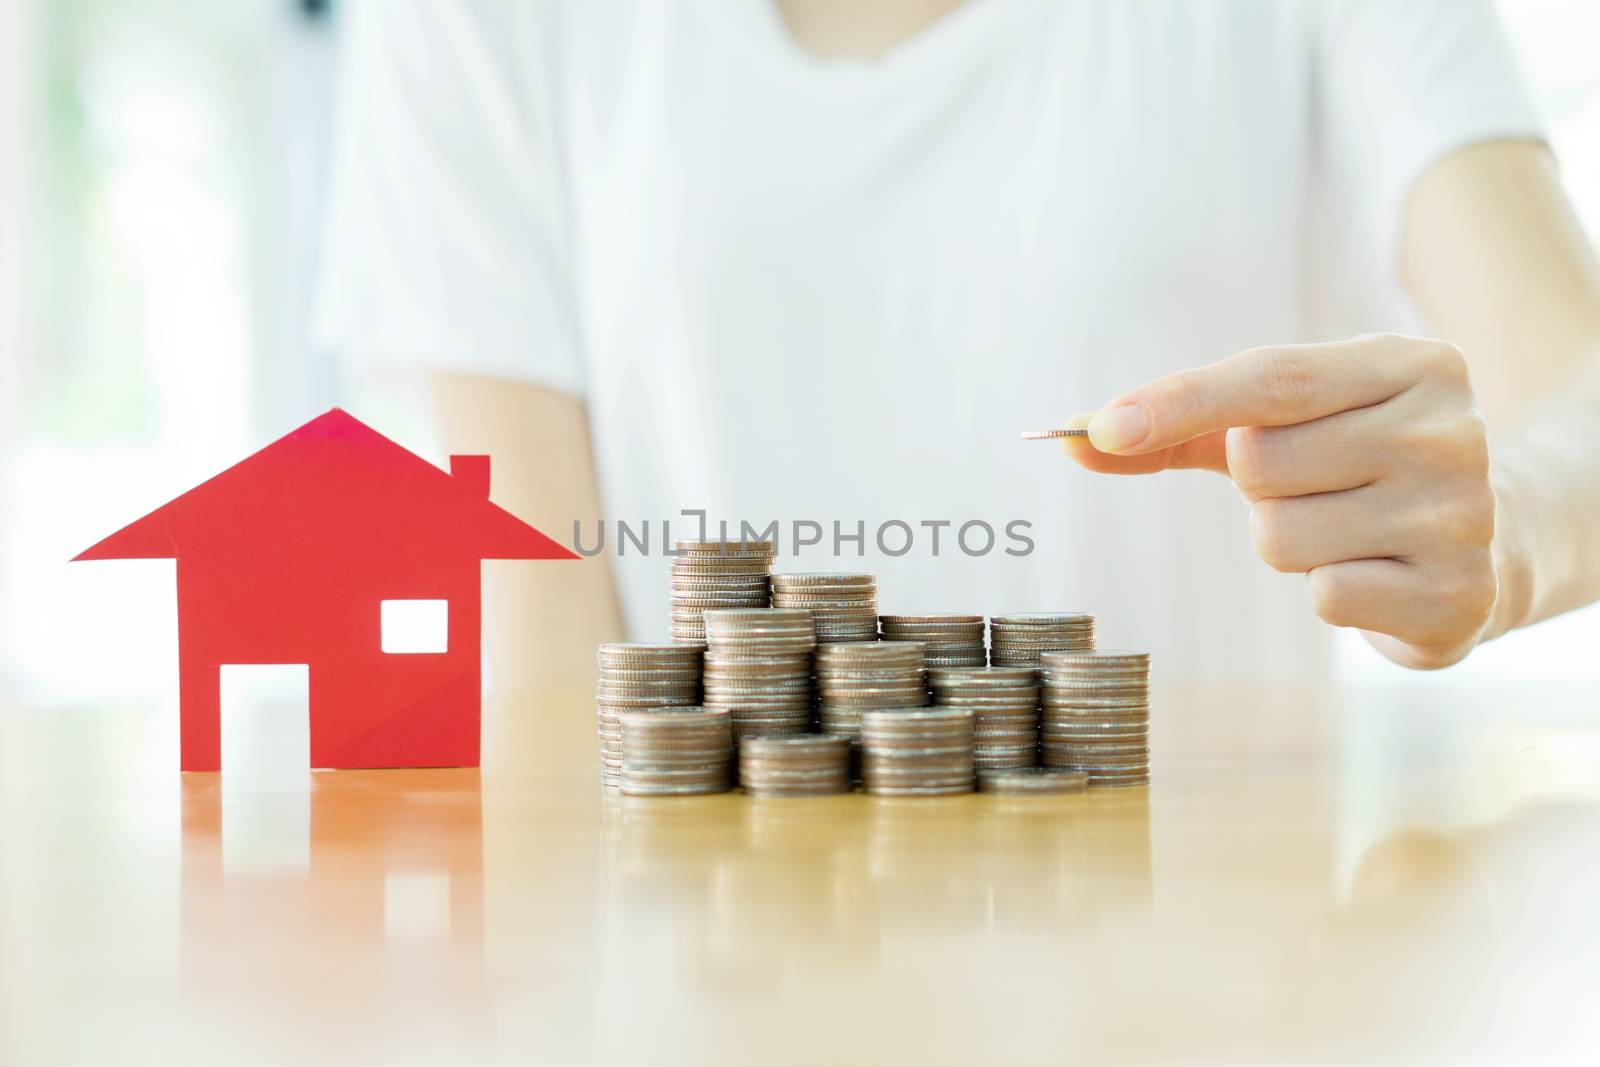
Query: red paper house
x=300, y=554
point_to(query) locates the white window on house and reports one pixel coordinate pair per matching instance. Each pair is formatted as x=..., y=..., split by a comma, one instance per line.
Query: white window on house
x=412, y=626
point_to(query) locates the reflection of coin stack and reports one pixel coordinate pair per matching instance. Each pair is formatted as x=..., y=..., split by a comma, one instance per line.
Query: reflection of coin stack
x=1005, y=703
x=948, y=640
x=1097, y=714
x=802, y=765
x=854, y=676
x=916, y=751
x=845, y=606
x=675, y=751
x=635, y=676
x=1017, y=640
x=758, y=667
x=717, y=574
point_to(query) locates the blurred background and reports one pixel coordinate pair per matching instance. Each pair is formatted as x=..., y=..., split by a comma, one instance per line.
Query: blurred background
x=162, y=174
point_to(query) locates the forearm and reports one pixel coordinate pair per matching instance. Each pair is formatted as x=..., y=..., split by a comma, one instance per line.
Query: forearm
x=1547, y=479
x=1498, y=261
x=541, y=621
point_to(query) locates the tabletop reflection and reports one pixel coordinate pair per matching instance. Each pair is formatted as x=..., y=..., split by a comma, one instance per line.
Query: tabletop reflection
x=1312, y=873
x=838, y=878
x=385, y=920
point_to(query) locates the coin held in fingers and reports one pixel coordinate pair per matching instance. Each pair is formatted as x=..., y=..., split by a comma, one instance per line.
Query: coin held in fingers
x=1052, y=435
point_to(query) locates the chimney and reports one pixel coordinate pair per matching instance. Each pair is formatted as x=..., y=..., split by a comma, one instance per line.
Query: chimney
x=472, y=472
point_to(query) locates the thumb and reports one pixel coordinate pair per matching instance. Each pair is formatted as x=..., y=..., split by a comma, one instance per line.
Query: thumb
x=1209, y=452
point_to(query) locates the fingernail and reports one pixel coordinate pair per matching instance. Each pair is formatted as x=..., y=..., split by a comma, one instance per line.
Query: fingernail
x=1120, y=428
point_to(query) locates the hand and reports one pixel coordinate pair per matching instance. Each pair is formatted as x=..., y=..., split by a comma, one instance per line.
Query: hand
x=1366, y=464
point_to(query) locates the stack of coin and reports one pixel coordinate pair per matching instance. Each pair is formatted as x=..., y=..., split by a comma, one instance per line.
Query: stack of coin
x=845, y=606
x=758, y=668
x=1032, y=781
x=1005, y=703
x=1017, y=640
x=675, y=751
x=916, y=751
x=1097, y=714
x=717, y=574
x=801, y=765
x=948, y=640
x=854, y=676
x=634, y=676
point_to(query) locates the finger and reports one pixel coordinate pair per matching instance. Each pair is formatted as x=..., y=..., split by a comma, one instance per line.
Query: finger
x=1277, y=386
x=1207, y=452
x=1343, y=451
x=1369, y=594
x=1297, y=534
x=1420, y=606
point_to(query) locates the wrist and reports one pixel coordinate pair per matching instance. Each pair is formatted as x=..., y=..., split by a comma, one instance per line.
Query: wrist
x=1513, y=563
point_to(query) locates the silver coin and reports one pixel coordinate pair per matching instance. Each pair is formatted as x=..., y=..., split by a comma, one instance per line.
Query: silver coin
x=1033, y=781
x=935, y=619
x=824, y=578
x=1043, y=618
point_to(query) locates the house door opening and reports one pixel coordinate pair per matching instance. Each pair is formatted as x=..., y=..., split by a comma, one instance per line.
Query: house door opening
x=266, y=722
x=266, y=748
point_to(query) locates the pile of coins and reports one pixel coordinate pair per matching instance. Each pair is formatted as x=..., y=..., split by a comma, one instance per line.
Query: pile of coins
x=675, y=751
x=948, y=640
x=1096, y=715
x=1005, y=705
x=717, y=574
x=1017, y=640
x=916, y=751
x=844, y=606
x=759, y=663
x=635, y=676
x=804, y=765
x=758, y=668
x=855, y=676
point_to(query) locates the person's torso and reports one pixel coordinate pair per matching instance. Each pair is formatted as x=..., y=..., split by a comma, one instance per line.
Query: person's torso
x=836, y=290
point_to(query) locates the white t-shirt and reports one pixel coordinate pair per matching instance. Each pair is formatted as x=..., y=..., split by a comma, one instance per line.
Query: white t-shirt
x=802, y=289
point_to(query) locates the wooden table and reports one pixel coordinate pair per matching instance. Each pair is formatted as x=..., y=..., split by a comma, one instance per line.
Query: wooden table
x=1401, y=877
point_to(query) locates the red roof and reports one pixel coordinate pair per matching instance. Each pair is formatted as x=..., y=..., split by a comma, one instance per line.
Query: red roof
x=332, y=481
